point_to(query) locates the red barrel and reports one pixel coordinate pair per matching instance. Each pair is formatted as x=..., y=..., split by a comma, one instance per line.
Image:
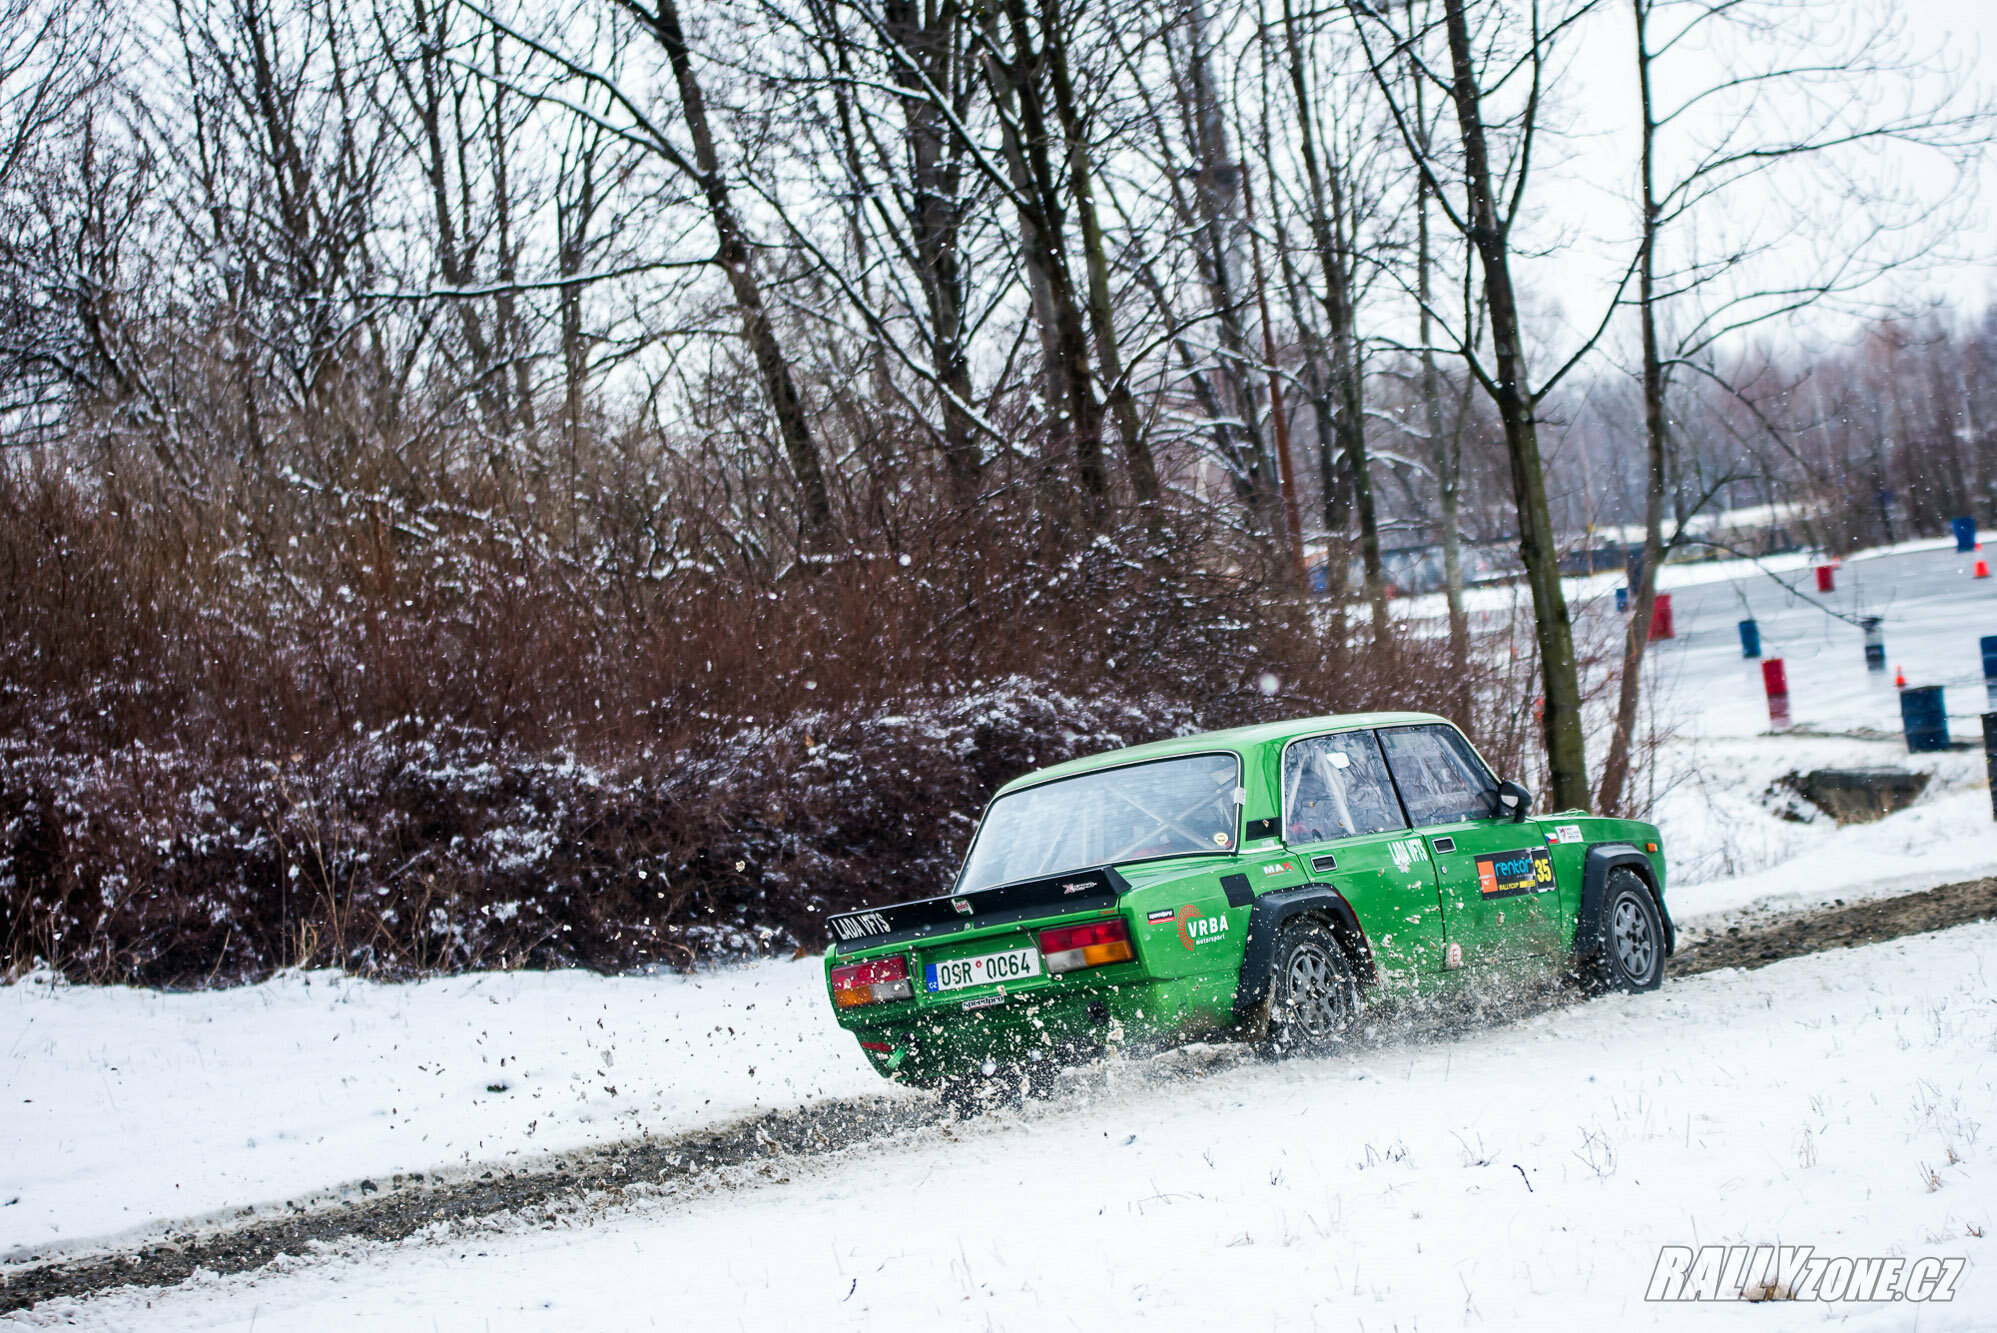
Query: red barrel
x=1827, y=578
x=1660, y=617
x=1776, y=682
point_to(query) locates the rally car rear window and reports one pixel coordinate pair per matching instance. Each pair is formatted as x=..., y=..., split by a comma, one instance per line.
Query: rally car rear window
x=1169, y=807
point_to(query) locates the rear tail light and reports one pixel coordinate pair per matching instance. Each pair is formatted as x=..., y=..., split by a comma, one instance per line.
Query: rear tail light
x=870, y=983
x=1067, y=948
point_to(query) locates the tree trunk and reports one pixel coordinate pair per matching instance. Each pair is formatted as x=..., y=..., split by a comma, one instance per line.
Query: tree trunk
x=1213, y=193
x=1566, y=747
x=1643, y=597
x=1279, y=421
x=1337, y=298
x=1444, y=447
x=1016, y=90
x=733, y=255
x=1122, y=406
x=934, y=48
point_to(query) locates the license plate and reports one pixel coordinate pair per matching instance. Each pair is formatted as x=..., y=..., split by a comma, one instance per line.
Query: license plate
x=958, y=973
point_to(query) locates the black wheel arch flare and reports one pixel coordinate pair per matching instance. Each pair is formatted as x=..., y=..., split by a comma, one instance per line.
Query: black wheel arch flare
x=1604, y=857
x=1265, y=922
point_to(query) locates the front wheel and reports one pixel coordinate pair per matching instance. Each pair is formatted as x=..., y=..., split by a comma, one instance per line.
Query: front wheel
x=1629, y=956
x=1313, y=992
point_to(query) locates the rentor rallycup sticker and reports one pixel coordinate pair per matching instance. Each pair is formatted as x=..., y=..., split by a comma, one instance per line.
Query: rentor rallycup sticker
x=1507, y=874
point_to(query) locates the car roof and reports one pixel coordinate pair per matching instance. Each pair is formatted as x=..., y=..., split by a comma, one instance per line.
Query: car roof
x=1241, y=740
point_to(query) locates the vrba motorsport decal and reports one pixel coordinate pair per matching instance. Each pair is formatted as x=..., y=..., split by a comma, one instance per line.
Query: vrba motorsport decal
x=1195, y=928
x=1508, y=874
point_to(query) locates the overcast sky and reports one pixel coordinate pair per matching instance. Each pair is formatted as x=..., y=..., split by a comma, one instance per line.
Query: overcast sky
x=1588, y=190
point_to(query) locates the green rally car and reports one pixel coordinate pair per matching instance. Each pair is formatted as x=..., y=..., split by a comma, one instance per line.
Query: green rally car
x=1256, y=882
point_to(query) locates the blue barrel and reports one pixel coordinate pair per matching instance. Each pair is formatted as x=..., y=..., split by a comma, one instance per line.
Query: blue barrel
x=1965, y=534
x=1990, y=656
x=1924, y=719
x=1622, y=600
x=1750, y=639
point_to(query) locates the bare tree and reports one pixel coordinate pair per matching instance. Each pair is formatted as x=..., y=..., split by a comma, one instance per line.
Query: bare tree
x=1494, y=191
x=698, y=163
x=54, y=57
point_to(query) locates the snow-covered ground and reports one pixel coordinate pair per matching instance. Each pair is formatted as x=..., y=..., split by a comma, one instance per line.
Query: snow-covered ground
x=1520, y=1177
x=1729, y=846
x=119, y=1107
x=122, y=1109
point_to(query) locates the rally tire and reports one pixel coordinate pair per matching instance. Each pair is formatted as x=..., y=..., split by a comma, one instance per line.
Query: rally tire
x=1629, y=956
x=1313, y=990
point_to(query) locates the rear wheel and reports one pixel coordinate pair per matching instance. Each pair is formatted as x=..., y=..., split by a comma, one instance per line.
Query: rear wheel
x=1629, y=956
x=1313, y=992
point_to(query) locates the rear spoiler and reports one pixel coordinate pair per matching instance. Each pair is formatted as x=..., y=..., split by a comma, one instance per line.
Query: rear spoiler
x=1002, y=904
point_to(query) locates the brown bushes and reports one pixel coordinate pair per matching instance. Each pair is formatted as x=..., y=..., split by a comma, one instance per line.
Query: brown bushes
x=398, y=738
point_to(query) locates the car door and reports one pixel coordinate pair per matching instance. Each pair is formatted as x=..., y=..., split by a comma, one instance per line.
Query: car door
x=1494, y=877
x=1342, y=819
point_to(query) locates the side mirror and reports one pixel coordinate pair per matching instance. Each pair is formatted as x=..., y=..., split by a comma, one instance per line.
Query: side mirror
x=1514, y=800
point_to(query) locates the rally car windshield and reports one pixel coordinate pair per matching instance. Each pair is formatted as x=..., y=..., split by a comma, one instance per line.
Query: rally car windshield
x=1166, y=808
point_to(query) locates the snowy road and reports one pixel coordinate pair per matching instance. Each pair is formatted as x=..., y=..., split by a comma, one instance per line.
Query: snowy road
x=1522, y=1176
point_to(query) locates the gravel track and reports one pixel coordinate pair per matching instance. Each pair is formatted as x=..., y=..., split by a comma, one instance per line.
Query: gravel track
x=747, y=1150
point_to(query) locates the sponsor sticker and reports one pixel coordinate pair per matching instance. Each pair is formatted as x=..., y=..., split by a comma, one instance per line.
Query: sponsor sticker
x=1162, y=914
x=1508, y=874
x=1196, y=927
x=1279, y=867
x=963, y=905
x=1221, y=839
x=984, y=1002
x=1082, y=886
x=1455, y=957
x=1407, y=853
x=1569, y=832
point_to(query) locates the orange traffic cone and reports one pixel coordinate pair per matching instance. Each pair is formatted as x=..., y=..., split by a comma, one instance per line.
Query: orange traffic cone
x=1982, y=568
x=1899, y=677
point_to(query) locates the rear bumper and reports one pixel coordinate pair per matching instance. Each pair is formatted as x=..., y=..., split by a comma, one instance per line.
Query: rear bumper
x=1061, y=1023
